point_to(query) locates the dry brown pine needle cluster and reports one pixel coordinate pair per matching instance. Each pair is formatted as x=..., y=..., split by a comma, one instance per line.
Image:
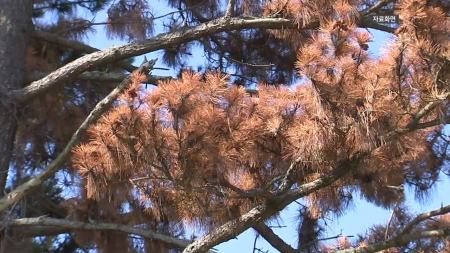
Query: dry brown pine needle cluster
x=196, y=146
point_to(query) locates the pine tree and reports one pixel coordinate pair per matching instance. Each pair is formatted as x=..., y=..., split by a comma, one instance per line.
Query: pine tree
x=96, y=161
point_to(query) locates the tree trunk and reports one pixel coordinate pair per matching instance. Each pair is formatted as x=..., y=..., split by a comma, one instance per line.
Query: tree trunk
x=15, y=28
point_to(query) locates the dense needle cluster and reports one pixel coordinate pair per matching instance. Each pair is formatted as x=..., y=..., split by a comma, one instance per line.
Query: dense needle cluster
x=199, y=150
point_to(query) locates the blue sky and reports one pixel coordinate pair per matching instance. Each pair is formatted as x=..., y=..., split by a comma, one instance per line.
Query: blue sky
x=355, y=221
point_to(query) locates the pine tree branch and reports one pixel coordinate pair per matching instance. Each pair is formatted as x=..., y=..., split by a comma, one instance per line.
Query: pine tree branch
x=101, y=77
x=396, y=241
x=208, y=46
x=431, y=123
x=72, y=225
x=230, y=229
x=55, y=39
x=324, y=239
x=264, y=211
x=197, y=14
x=403, y=238
x=230, y=8
x=273, y=238
x=95, y=114
x=427, y=109
x=288, y=181
x=161, y=41
x=113, y=77
x=35, y=231
x=113, y=54
x=421, y=217
x=78, y=66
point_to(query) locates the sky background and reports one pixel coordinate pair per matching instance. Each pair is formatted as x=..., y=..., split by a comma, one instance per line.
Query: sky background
x=355, y=221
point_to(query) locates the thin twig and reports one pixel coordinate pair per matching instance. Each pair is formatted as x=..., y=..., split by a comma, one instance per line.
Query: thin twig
x=389, y=221
x=233, y=60
x=254, y=243
x=230, y=8
x=325, y=239
x=51, y=6
x=122, y=21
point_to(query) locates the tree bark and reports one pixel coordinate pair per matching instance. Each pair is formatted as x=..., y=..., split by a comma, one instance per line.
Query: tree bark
x=15, y=27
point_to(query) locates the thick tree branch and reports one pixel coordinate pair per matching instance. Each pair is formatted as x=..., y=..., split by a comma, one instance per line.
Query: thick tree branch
x=101, y=77
x=273, y=239
x=53, y=38
x=421, y=217
x=72, y=225
x=183, y=35
x=396, y=241
x=262, y=212
x=427, y=109
x=34, y=231
x=99, y=109
x=232, y=228
x=431, y=123
x=161, y=41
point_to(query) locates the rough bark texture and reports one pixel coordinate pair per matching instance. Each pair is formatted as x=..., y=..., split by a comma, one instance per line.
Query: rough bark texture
x=99, y=76
x=15, y=24
x=114, y=54
x=73, y=225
